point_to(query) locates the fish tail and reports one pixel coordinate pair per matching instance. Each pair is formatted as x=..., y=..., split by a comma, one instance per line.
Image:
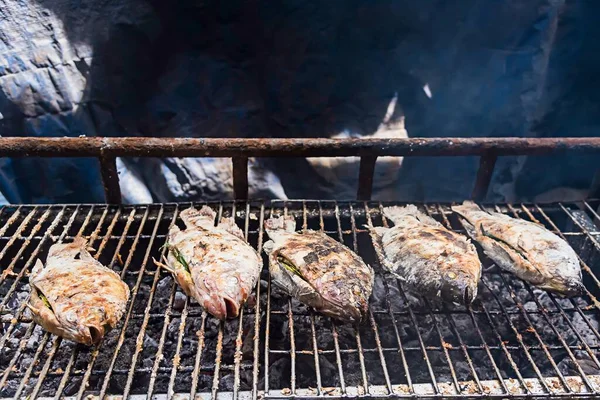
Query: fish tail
x=396, y=214
x=268, y=247
x=287, y=224
x=68, y=250
x=204, y=216
x=230, y=226
x=465, y=208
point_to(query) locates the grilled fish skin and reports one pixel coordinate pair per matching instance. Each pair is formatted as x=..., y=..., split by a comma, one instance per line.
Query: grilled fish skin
x=213, y=264
x=76, y=298
x=435, y=261
x=524, y=248
x=318, y=270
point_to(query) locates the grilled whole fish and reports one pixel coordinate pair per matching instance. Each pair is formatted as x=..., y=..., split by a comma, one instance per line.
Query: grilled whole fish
x=433, y=260
x=318, y=270
x=76, y=298
x=524, y=248
x=213, y=264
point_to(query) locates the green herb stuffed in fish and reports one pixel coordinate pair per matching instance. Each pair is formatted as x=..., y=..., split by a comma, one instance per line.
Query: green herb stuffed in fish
x=76, y=297
x=318, y=270
x=431, y=259
x=524, y=248
x=213, y=264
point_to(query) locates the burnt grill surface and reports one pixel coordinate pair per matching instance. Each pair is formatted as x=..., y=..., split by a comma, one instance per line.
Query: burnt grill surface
x=514, y=340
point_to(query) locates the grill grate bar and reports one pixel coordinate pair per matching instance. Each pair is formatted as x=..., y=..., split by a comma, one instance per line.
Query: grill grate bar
x=374, y=326
x=519, y=338
x=198, y=358
x=550, y=323
x=361, y=356
x=413, y=320
x=57, y=340
x=11, y=241
x=561, y=309
x=257, y=313
x=219, y=352
x=291, y=332
x=450, y=317
x=13, y=287
x=588, y=236
x=163, y=335
x=96, y=350
x=140, y=338
x=238, y=340
x=513, y=341
x=400, y=348
x=312, y=318
x=531, y=328
x=587, y=269
x=27, y=375
x=133, y=296
x=74, y=353
x=334, y=333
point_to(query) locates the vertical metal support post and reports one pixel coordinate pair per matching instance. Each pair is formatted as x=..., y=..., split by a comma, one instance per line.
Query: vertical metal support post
x=240, y=177
x=595, y=186
x=110, y=179
x=365, y=177
x=484, y=176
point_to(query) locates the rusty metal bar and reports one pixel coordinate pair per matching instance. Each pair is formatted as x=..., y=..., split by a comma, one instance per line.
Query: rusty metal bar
x=211, y=147
x=365, y=178
x=595, y=186
x=240, y=177
x=110, y=179
x=484, y=176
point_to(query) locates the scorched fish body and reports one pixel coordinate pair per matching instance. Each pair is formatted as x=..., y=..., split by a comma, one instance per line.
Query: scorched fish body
x=524, y=248
x=431, y=259
x=318, y=270
x=76, y=298
x=213, y=264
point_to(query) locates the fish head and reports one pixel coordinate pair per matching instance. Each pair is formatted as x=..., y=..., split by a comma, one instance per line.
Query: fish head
x=86, y=325
x=565, y=286
x=221, y=297
x=343, y=299
x=459, y=287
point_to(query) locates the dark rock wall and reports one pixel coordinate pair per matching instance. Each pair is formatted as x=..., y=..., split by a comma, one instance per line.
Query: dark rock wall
x=298, y=69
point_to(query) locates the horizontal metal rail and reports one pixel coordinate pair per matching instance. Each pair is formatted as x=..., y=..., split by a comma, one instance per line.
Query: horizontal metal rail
x=107, y=149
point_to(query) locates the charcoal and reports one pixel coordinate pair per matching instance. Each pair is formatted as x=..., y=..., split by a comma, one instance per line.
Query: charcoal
x=179, y=301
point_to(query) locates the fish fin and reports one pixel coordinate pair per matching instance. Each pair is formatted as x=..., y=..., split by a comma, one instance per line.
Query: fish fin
x=205, y=217
x=162, y=265
x=467, y=207
x=67, y=250
x=464, y=211
x=37, y=268
x=269, y=246
x=85, y=255
x=32, y=308
x=521, y=253
x=229, y=225
x=396, y=214
x=470, y=228
x=377, y=233
x=293, y=284
x=286, y=224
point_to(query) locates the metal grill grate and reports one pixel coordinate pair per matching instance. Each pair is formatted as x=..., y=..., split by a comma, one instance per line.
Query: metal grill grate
x=513, y=341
